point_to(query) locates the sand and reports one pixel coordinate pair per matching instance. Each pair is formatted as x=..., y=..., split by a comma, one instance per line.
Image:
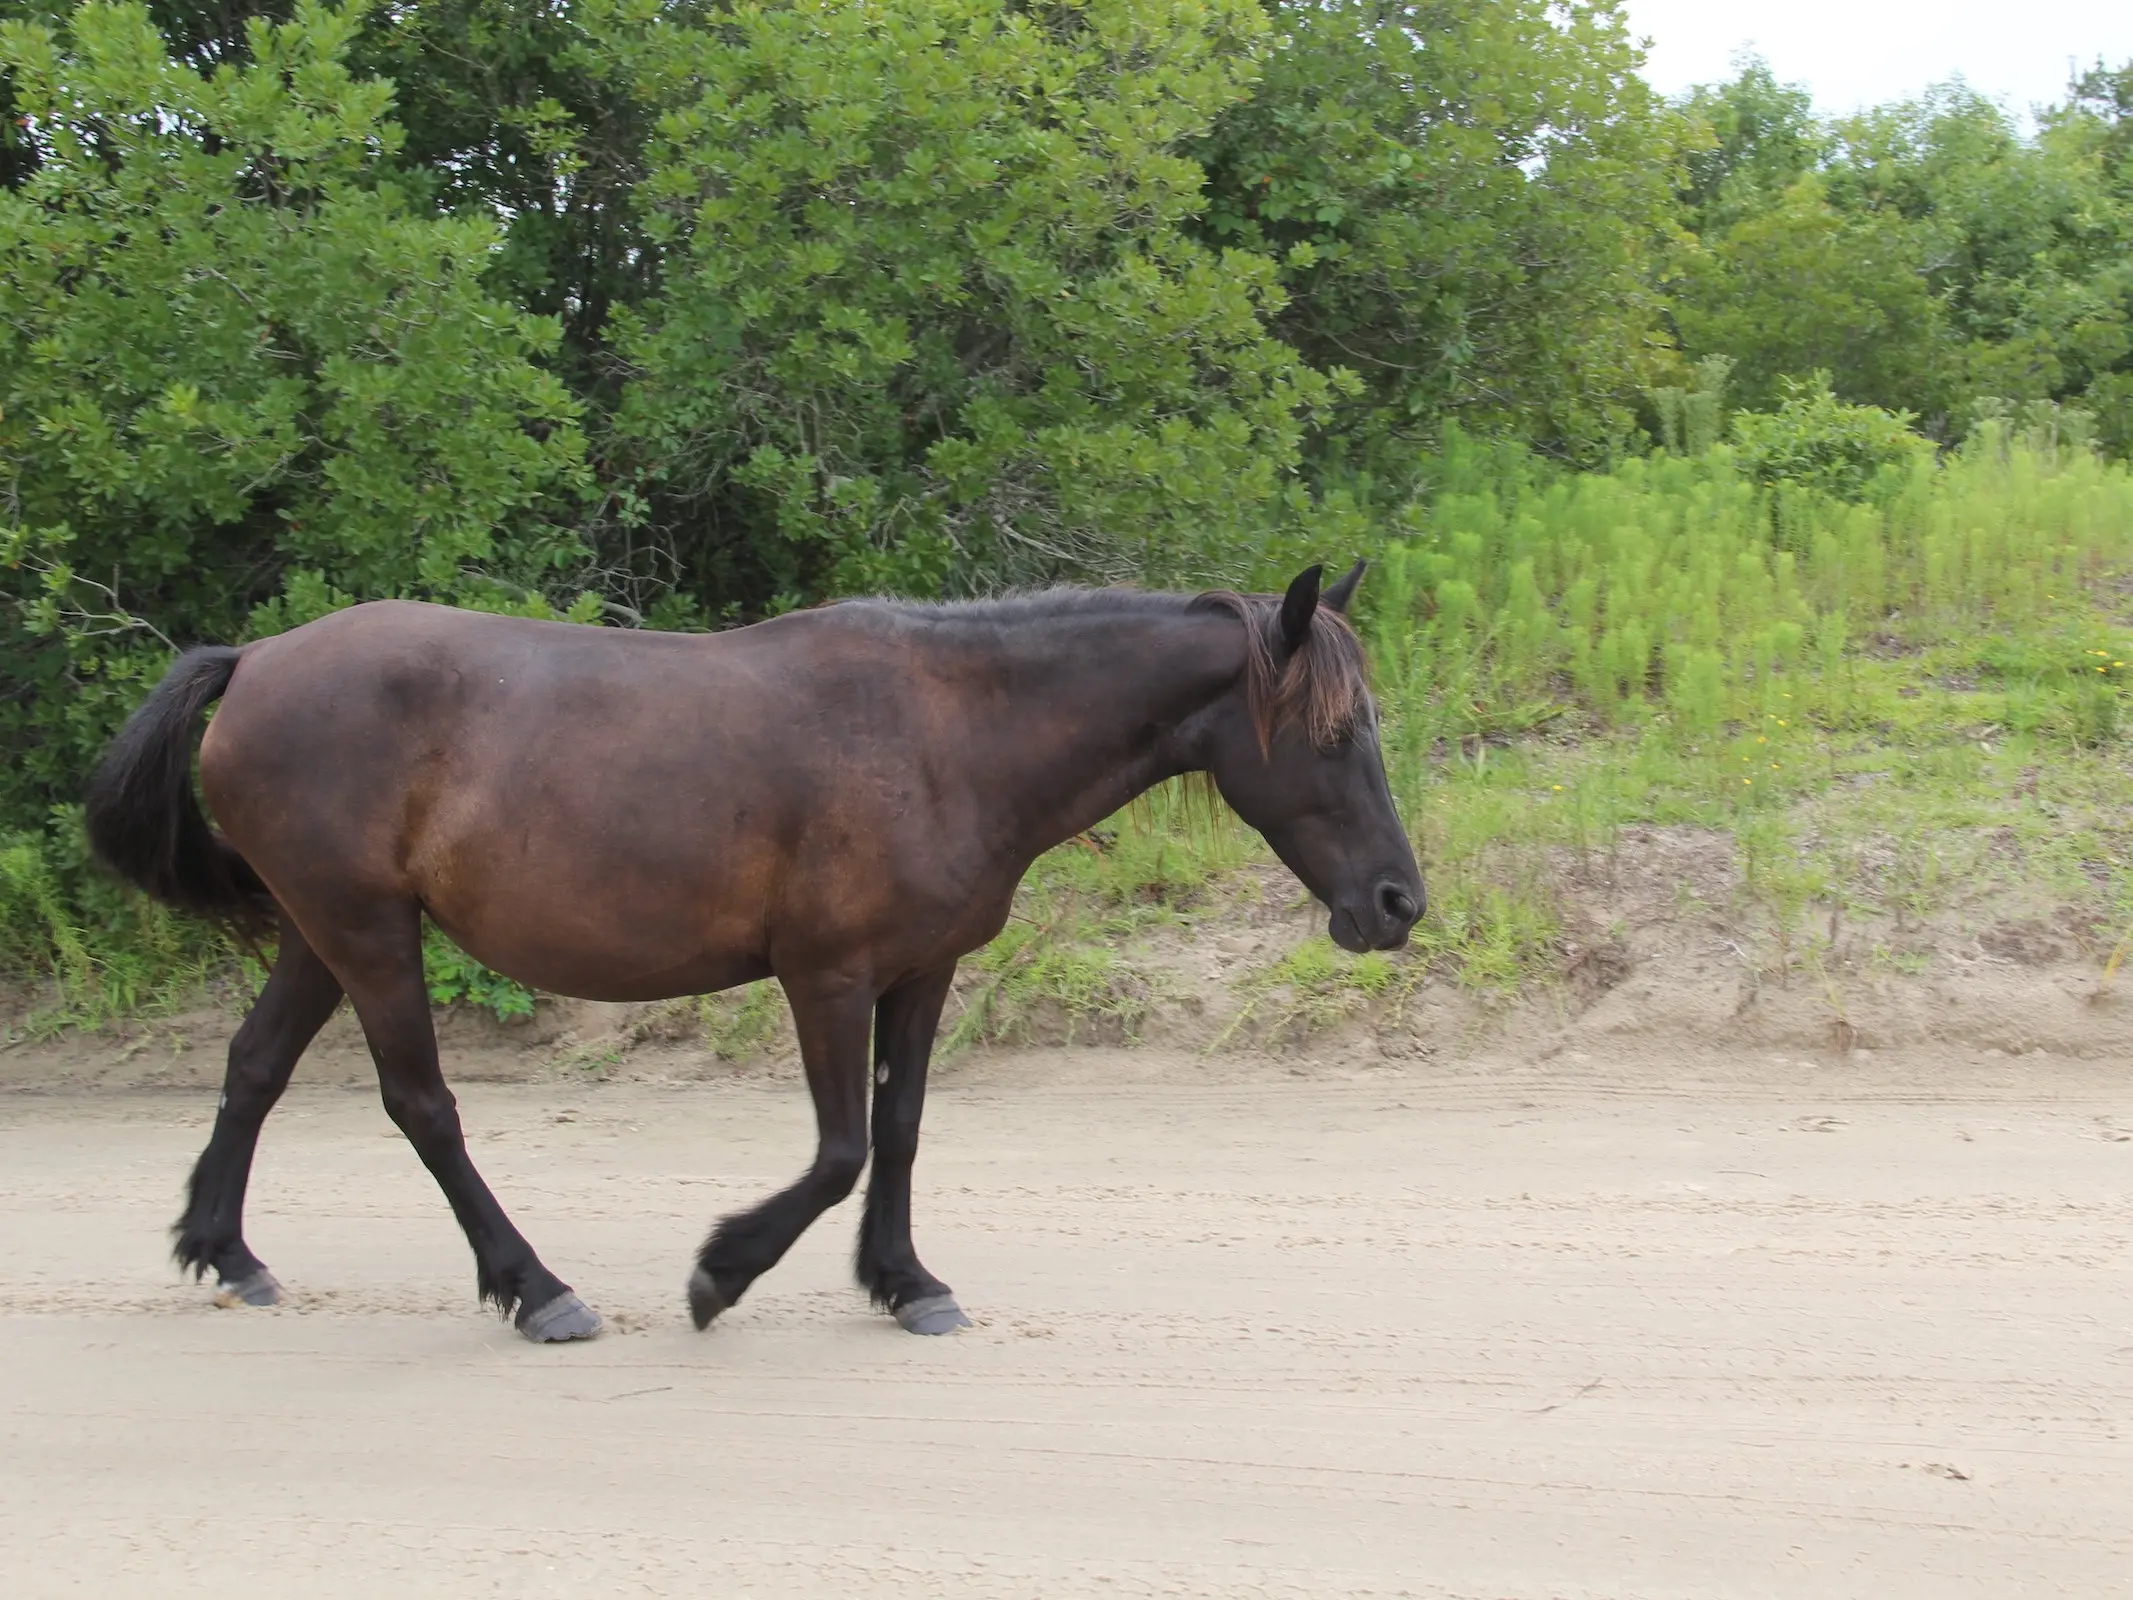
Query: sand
x=1590, y=1326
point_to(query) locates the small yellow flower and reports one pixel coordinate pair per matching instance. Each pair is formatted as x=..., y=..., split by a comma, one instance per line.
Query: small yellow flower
x=1783, y=723
x=1558, y=788
x=1747, y=780
x=1760, y=739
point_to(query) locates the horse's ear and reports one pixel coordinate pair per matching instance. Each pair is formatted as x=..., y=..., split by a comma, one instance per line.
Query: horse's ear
x=1343, y=590
x=1297, y=607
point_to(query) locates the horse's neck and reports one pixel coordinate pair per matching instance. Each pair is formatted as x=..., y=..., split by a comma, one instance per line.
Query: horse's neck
x=1098, y=715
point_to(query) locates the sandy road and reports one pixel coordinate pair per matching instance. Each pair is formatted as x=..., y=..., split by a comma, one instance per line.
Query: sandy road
x=1569, y=1332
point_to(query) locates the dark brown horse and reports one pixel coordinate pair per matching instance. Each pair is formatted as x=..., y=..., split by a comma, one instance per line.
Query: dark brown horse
x=843, y=799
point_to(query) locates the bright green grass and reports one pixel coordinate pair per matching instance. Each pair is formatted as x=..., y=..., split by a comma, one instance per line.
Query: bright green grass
x=1892, y=709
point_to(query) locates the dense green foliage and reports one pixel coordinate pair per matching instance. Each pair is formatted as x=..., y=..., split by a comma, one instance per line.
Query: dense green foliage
x=682, y=314
x=240, y=371
x=1926, y=255
x=1468, y=202
x=929, y=307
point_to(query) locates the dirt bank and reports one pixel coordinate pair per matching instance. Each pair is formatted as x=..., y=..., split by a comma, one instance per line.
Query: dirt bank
x=1615, y=1323
x=1664, y=947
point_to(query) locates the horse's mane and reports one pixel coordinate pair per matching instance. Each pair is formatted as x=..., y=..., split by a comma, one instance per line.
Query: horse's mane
x=1324, y=687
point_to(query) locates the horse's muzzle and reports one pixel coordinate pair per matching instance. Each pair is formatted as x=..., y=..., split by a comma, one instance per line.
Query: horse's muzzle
x=1380, y=923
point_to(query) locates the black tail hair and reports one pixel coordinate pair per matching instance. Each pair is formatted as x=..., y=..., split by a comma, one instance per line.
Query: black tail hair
x=145, y=823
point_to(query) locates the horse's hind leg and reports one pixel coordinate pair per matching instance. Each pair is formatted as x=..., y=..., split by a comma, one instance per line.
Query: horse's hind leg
x=888, y=1265
x=377, y=954
x=831, y=1015
x=299, y=996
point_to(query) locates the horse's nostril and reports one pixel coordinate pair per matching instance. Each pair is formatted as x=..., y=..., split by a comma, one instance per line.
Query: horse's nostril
x=1394, y=902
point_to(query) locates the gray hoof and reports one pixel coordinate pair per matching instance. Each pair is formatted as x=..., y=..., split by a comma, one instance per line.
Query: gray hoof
x=705, y=1302
x=260, y=1289
x=564, y=1317
x=937, y=1313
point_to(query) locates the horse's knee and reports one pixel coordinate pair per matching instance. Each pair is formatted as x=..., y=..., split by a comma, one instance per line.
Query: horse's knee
x=837, y=1169
x=426, y=1115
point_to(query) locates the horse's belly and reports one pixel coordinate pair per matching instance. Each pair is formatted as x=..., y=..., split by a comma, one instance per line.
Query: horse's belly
x=603, y=946
x=596, y=913
x=615, y=972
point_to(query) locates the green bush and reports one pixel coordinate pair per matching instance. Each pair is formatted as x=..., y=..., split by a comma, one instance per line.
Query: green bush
x=456, y=978
x=1815, y=441
x=241, y=373
x=95, y=950
x=1668, y=587
x=931, y=315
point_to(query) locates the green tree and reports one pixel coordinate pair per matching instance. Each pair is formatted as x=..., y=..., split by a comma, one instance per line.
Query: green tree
x=2094, y=130
x=504, y=115
x=241, y=376
x=1801, y=286
x=18, y=150
x=1468, y=199
x=1757, y=138
x=499, y=114
x=2101, y=100
x=931, y=312
x=1926, y=254
x=2027, y=251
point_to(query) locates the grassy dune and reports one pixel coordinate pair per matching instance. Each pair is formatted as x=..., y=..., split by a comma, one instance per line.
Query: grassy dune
x=1892, y=705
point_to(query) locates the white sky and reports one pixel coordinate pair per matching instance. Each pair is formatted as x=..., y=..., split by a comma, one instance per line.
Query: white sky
x=1855, y=53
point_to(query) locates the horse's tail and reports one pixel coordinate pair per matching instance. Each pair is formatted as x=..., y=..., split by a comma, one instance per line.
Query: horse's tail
x=145, y=823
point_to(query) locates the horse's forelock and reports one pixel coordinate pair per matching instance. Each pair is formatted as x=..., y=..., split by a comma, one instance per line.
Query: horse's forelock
x=1323, y=686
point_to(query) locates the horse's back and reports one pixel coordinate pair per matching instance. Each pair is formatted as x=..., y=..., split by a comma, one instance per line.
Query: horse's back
x=430, y=681
x=540, y=785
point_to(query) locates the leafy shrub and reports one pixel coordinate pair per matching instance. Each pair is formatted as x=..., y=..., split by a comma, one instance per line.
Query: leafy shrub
x=37, y=925
x=456, y=978
x=238, y=364
x=931, y=315
x=1815, y=441
x=103, y=950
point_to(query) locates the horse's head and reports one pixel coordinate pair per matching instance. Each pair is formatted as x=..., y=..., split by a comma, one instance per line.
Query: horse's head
x=1295, y=753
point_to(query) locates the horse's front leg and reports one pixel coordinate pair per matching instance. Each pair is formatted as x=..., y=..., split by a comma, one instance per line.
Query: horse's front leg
x=830, y=1012
x=888, y=1265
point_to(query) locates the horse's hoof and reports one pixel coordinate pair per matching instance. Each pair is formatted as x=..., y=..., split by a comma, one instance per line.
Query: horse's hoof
x=565, y=1317
x=259, y=1289
x=937, y=1313
x=705, y=1302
